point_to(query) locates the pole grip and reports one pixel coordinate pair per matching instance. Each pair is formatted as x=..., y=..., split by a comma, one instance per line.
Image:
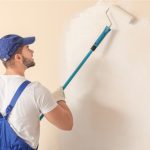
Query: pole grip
x=100, y=38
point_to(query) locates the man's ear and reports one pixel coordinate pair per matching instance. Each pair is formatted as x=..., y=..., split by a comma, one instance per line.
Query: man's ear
x=18, y=57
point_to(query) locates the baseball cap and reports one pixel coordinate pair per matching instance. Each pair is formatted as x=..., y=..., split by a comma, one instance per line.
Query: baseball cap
x=10, y=43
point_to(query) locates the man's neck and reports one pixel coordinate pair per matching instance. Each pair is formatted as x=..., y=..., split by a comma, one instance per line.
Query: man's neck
x=14, y=72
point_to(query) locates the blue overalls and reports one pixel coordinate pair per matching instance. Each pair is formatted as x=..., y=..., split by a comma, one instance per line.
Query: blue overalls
x=9, y=140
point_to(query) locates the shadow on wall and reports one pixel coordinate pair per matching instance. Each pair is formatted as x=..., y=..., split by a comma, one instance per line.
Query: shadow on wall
x=111, y=39
x=96, y=126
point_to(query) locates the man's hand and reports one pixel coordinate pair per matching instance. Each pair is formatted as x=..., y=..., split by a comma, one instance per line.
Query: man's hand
x=59, y=95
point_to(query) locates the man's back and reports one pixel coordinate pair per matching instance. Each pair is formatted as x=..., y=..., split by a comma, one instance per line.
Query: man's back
x=24, y=118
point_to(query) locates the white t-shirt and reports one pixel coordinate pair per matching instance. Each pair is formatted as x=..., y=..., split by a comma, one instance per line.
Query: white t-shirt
x=24, y=118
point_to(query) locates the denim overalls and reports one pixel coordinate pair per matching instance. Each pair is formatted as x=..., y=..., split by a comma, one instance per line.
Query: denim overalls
x=9, y=140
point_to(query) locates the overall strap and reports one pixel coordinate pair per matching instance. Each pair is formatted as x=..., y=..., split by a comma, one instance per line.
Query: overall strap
x=15, y=98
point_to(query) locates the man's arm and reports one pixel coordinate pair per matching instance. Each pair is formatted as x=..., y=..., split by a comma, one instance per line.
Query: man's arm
x=60, y=116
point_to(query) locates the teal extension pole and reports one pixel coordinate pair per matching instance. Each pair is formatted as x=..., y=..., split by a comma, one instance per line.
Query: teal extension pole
x=95, y=45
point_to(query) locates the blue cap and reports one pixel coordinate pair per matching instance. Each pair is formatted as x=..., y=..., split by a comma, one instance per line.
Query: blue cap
x=10, y=43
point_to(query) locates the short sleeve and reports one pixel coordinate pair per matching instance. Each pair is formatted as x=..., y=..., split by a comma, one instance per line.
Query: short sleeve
x=43, y=98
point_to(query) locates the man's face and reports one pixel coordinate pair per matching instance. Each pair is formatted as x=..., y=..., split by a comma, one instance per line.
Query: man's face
x=27, y=55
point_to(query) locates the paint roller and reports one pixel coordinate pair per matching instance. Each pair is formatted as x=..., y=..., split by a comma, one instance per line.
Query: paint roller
x=93, y=48
x=106, y=30
x=122, y=14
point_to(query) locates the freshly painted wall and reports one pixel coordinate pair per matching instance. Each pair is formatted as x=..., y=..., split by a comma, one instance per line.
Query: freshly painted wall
x=110, y=96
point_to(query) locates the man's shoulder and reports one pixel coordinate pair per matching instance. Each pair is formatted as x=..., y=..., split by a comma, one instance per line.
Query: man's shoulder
x=38, y=87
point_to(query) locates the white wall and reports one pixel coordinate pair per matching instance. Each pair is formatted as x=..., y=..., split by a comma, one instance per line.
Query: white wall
x=110, y=96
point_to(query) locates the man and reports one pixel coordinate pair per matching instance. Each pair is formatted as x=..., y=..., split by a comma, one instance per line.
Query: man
x=22, y=102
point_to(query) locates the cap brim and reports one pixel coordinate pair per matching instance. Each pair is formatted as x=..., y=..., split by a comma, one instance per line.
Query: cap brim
x=28, y=40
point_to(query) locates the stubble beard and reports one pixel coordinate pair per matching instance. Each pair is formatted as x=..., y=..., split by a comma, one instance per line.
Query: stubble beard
x=28, y=63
